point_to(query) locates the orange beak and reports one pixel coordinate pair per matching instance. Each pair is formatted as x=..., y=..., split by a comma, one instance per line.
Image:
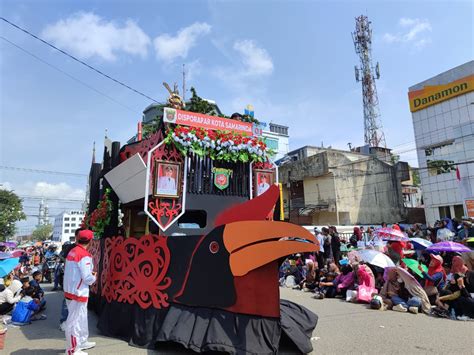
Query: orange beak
x=252, y=244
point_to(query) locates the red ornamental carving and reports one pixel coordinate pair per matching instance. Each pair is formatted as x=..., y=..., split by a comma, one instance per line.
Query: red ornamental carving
x=135, y=271
x=265, y=166
x=142, y=147
x=164, y=210
x=94, y=250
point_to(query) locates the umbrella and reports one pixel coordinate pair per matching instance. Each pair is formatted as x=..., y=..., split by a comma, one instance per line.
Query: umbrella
x=412, y=264
x=8, y=244
x=391, y=234
x=7, y=265
x=448, y=246
x=375, y=257
x=17, y=253
x=5, y=255
x=420, y=243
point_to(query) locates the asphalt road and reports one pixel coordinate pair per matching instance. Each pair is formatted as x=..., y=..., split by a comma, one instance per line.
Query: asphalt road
x=343, y=328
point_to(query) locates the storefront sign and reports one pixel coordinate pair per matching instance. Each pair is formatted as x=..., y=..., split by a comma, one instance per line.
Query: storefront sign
x=431, y=95
x=470, y=208
x=193, y=119
x=222, y=177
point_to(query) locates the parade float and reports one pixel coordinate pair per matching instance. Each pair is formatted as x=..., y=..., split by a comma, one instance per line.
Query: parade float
x=189, y=237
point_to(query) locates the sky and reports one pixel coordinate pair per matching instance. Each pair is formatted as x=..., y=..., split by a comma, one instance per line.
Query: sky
x=292, y=60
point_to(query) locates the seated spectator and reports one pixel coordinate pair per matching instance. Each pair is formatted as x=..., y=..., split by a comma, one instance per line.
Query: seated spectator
x=365, y=276
x=435, y=278
x=10, y=296
x=396, y=296
x=38, y=291
x=455, y=300
x=342, y=282
x=309, y=283
x=26, y=308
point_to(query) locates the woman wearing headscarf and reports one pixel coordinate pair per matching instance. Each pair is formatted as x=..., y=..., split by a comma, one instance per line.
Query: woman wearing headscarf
x=356, y=237
x=435, y=278
x=365, y=276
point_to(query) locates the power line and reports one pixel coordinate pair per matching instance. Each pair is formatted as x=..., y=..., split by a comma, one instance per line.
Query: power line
x=42, y=171
x=65, y=200
x=68, y=75
x=79, y=61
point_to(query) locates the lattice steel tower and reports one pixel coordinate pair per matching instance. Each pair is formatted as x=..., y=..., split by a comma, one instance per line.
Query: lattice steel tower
x=373, y=134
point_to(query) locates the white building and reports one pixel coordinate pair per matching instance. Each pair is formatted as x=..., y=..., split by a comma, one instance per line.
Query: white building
x=276, y=137
x=443, y=118
x=65, y=224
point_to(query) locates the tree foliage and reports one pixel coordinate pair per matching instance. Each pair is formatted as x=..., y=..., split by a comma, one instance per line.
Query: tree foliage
x=43, y=232
x=198, y=105
x=416, y=177
x=11, y=211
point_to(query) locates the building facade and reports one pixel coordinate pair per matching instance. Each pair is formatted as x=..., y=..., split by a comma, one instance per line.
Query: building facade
x=277, y=138
x=443, y=119
x=65, y=224
x=325, y=186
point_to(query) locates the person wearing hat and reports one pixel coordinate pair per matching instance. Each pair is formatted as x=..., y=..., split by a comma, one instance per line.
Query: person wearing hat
x=78, y=276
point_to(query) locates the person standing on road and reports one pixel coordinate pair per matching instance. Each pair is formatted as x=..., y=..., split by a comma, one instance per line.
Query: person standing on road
x=78, y=276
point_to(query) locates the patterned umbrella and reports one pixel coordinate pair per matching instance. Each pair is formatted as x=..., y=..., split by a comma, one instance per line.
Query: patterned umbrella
x=448, y=246
x=390, y=234
x=375, y=257
x=420, y=243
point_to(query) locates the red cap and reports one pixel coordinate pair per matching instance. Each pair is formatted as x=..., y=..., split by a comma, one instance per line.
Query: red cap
x=85, y=235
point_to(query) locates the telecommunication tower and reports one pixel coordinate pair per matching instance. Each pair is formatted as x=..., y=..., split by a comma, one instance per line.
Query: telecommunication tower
x=373, y=134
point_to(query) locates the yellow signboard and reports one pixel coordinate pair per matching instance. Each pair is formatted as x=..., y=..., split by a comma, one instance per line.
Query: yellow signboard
x=431, y=95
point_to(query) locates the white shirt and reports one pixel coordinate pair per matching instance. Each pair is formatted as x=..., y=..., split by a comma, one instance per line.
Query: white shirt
x=262, y=187
x=167, y=184
x=321, y=242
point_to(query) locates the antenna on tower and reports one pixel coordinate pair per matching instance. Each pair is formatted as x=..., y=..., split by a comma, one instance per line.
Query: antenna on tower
x=184, y=83
x=362, y=37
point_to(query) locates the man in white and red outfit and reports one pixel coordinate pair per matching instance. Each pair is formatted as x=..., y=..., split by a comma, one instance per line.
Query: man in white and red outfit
x=78, y=276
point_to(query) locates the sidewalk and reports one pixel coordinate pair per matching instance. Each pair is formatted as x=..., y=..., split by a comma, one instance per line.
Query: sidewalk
x=45, y=338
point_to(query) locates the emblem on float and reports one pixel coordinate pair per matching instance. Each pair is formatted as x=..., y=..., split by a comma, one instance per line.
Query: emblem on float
x=222, y=177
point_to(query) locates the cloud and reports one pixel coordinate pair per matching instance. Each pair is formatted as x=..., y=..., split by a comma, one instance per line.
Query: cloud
x=170, y=47
x=415, y=31
x=256, y=60
x=87, y=35
x=47, y=190
x=252, y=64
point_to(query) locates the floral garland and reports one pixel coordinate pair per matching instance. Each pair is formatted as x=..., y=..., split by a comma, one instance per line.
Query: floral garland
x=218, y=145
x=100, y=217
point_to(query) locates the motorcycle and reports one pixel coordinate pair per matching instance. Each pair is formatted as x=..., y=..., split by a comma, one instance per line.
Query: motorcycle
x=48, y=269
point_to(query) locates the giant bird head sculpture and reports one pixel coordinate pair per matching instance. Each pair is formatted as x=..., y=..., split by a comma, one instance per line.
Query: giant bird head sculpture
x=238, y=257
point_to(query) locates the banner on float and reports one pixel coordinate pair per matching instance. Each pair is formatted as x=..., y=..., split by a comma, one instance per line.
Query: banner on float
x=193, y=119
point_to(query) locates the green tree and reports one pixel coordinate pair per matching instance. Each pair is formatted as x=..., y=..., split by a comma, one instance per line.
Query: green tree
x=416, y=177
x=43, y=232
x=198, y=105
x=11, y=211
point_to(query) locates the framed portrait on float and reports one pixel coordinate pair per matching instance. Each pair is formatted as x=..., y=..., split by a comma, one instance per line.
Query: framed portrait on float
x=168, y=179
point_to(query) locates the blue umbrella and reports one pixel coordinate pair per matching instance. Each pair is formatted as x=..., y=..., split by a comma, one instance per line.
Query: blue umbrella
x=420, y=243
x=7, y=265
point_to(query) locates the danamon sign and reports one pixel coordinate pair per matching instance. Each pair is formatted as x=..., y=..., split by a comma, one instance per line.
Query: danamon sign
x=431, y=95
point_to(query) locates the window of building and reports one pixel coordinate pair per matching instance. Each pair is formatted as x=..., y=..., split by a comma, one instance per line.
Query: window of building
x=66, y=218
x=444, y=212
x=73, y=224
x=73, y=218
x=437, y=167
x=66, y=231
x=458, y=211
x=271, y=143
x=66, y=224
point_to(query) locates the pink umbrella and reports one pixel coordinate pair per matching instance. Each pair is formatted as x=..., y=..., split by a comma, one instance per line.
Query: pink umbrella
x=17, y=253
x=390, y=234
